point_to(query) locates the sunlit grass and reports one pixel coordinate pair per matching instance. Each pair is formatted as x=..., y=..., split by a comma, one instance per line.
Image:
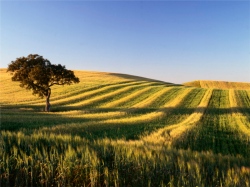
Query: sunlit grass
x=120, y=130
x=168, y=133
x=219, y=84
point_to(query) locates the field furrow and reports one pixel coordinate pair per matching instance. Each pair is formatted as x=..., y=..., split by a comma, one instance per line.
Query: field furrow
x=217, y=130
x=71, y=93
x=121, y=130
x=194, y=98
x=243, y=99
x=177, y=99
x=159, y=97
x=168, y=133
x=157, y=114
x=134, y=116
x=104, y=96
x=125, y=98
x=135, y=98
x=55, y=97
x=75, y=99
x=241, y=121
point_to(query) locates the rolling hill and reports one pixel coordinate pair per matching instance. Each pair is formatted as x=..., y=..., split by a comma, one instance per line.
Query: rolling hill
x=121, y=130
x=219, y=84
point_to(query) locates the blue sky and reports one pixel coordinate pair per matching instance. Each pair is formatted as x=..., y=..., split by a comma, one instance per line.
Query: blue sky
x=173, y=41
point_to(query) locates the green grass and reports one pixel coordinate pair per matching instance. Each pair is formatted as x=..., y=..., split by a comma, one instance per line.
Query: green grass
x=121, y=130
x=217, y=132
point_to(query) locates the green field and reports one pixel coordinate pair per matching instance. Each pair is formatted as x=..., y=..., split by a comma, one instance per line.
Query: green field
x=121, y=130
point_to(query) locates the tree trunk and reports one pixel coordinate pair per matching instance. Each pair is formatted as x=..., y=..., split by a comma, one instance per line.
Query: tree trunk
x=47, y=107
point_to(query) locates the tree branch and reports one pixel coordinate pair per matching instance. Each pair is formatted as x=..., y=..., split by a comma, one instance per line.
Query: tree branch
x=55, y=84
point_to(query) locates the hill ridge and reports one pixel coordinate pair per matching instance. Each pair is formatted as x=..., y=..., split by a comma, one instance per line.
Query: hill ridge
x=218, y=84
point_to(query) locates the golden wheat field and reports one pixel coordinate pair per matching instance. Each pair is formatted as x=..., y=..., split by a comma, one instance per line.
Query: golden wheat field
x=219, y=84
x=121, y=130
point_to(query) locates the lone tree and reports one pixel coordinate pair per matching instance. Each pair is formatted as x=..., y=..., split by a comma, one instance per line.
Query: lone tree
x=38, y=74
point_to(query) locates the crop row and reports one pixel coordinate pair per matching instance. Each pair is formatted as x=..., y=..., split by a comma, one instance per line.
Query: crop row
x=156, y=106
x=217, y=131
x=153, y=108
x=127, y=133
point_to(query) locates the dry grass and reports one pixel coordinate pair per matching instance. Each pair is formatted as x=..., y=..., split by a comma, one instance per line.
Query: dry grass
x=121, y=130
x=241, y=121
x=219, y=84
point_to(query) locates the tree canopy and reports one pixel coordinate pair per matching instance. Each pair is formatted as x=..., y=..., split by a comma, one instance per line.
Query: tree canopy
x=38, y=74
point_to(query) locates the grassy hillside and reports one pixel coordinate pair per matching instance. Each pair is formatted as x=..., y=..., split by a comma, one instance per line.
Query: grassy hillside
x=219, y=84
x=121, y=130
